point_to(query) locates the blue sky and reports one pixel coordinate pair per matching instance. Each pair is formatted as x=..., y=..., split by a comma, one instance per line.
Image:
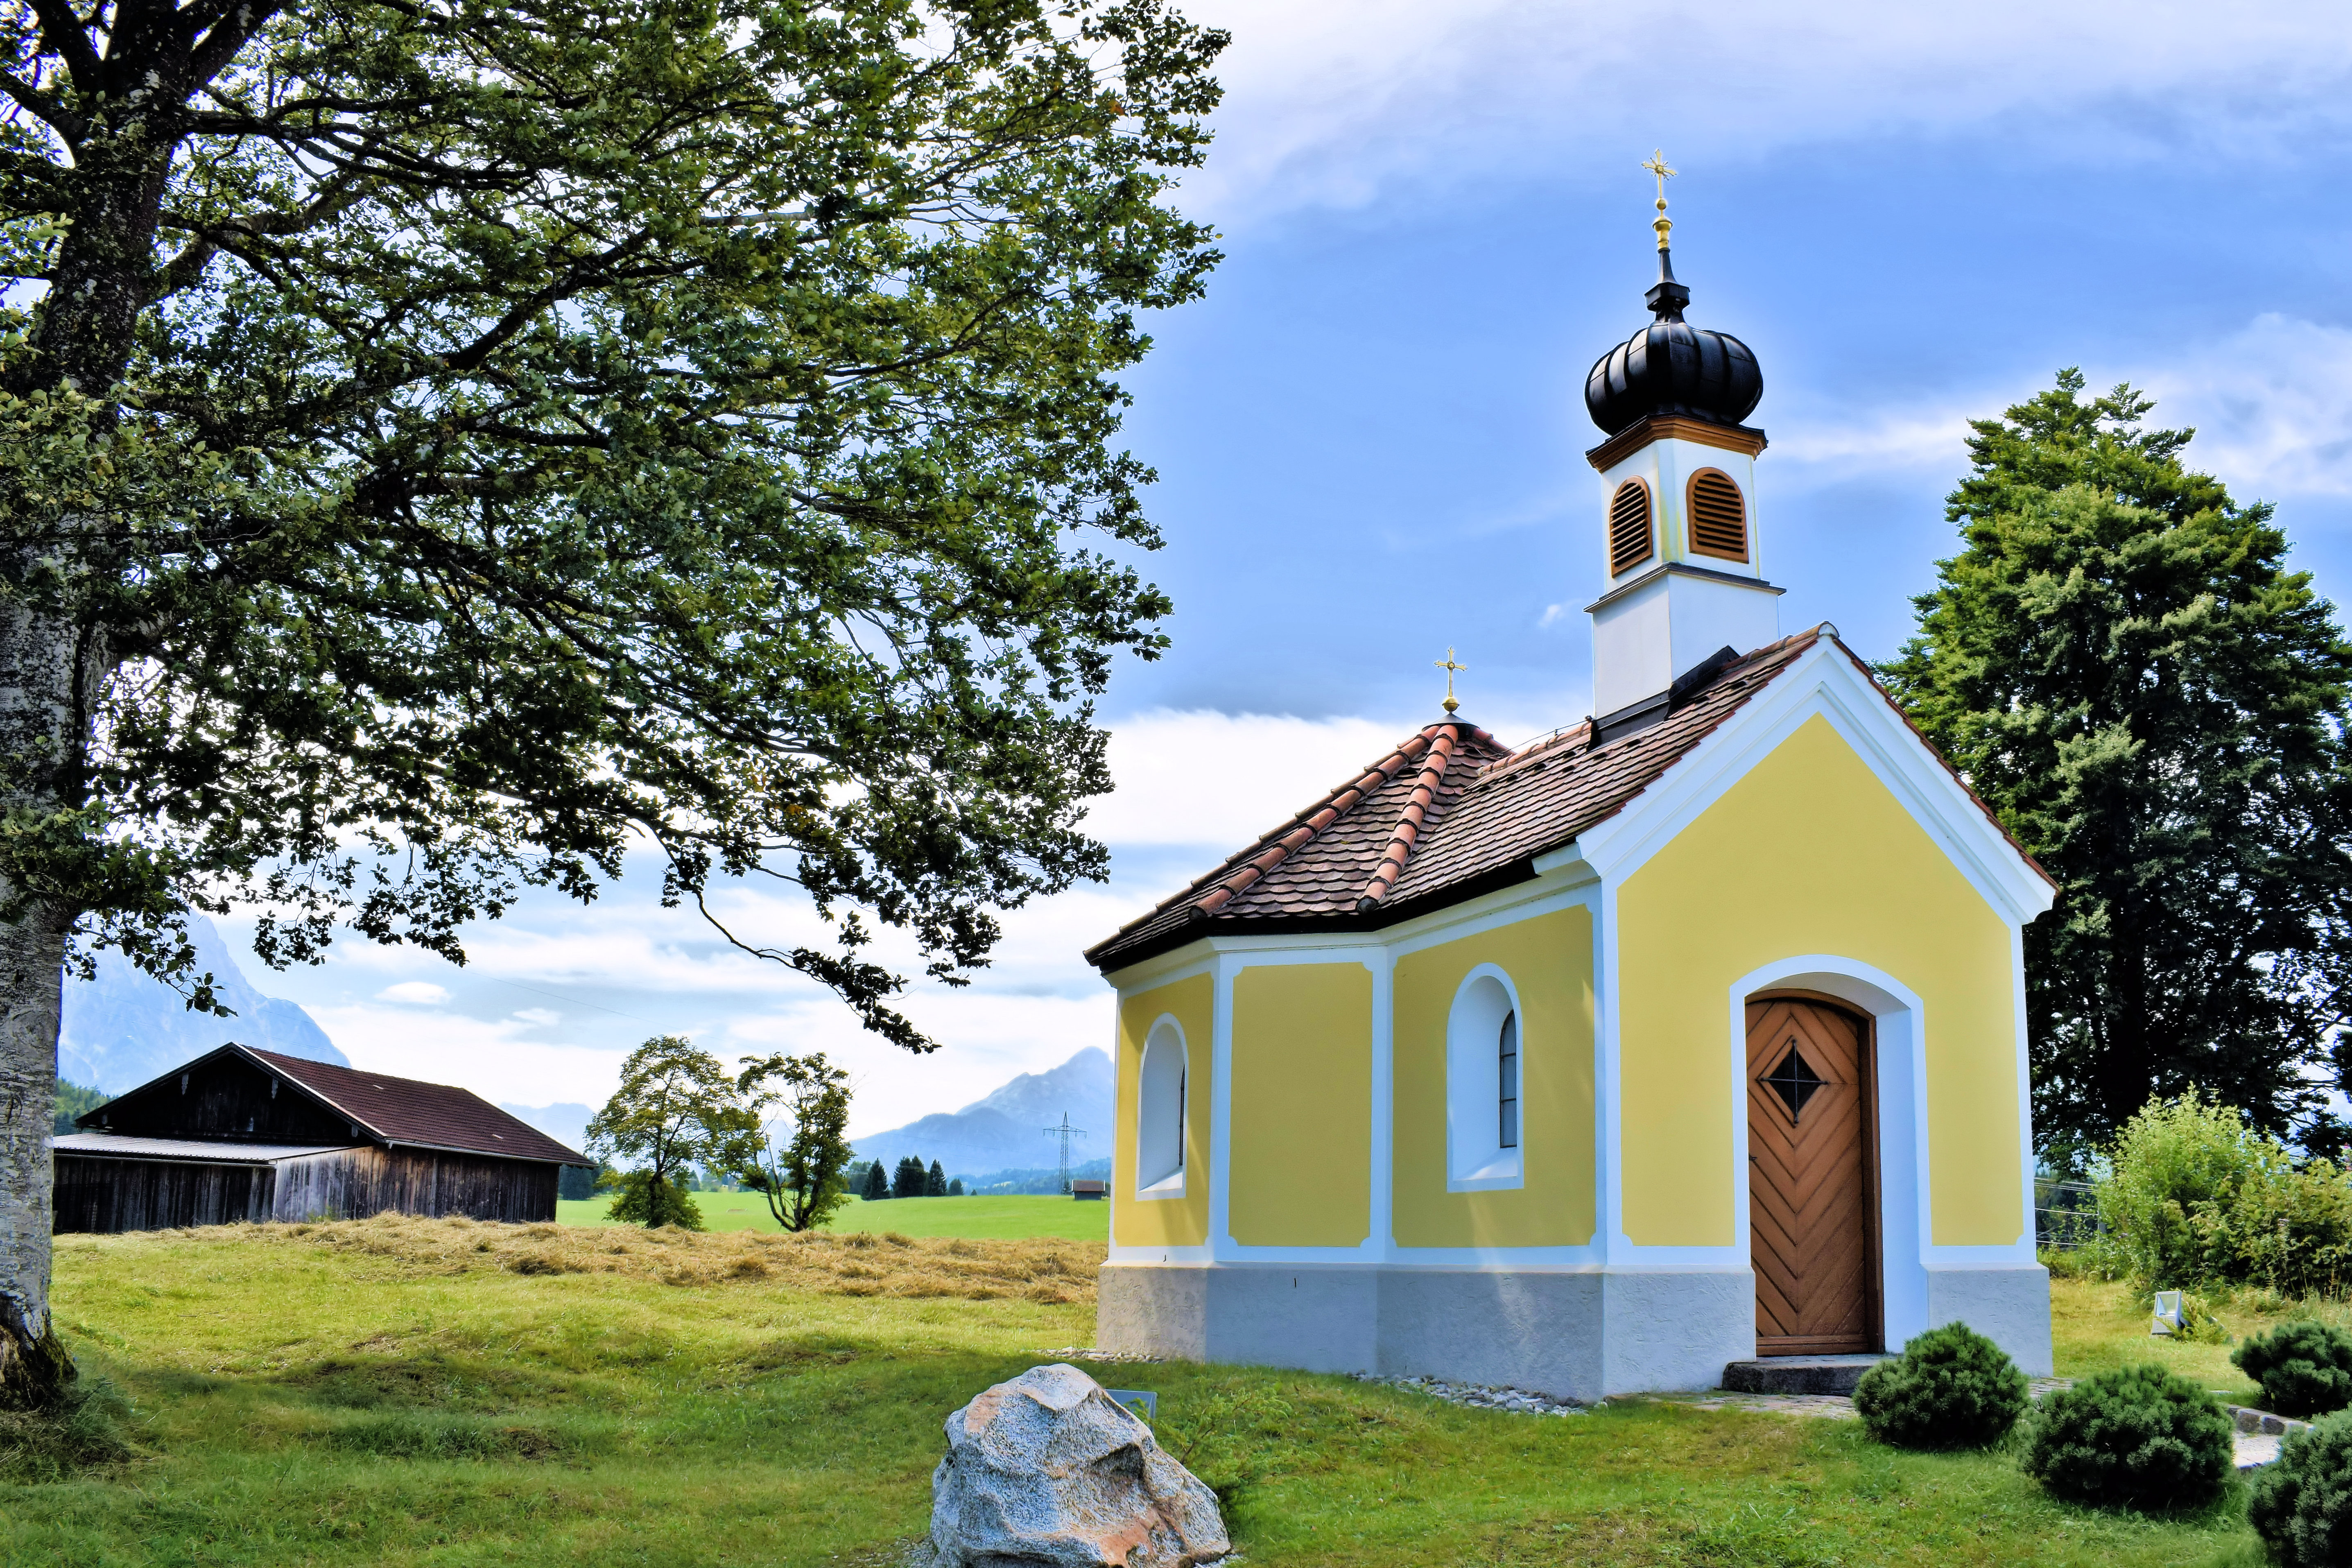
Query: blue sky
x=1370, y=435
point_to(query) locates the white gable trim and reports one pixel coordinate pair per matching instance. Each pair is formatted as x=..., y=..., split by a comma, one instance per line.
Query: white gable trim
x=1823, y=681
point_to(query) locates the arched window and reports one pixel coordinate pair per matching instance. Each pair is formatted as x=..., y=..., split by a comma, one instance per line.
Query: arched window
x=1629, y=527
x=1718, y=516
x=1484, y=1126
x=1507, y=1095
x=1160, y=1113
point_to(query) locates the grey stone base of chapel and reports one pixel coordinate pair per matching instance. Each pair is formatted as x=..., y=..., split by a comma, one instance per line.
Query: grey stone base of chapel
x=1573, y=1334
x=1568, y=1333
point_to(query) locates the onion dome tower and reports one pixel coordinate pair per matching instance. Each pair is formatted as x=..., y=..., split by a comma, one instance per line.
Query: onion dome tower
x=1678, y=491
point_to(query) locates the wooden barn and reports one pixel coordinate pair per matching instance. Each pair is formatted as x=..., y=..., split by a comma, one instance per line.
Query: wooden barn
x=242, y=1134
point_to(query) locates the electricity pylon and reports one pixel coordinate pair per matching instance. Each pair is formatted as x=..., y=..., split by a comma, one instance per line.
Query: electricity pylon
x=1066, y=1133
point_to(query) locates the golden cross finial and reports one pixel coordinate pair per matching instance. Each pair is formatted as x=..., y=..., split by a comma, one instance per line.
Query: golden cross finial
x=1656, y=164
x=1449, y=667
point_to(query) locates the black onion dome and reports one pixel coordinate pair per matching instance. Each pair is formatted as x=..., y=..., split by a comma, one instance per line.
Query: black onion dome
x=1673, y=367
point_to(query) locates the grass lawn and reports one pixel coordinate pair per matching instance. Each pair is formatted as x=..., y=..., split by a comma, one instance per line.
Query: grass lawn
x=994, y=1219
x=407, y=1392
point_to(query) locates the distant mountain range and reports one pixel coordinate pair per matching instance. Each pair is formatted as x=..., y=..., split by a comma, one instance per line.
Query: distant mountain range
x=1006, y=1131
x=125, y=1026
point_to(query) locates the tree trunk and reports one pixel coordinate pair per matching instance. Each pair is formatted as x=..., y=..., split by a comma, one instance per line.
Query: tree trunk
x=50, y=675
x=39, y=717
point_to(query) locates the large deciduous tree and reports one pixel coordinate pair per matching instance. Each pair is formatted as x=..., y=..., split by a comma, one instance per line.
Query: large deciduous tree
x=674, y=1108
x=797, y=1161
x=2125, y=669
x=443, y=444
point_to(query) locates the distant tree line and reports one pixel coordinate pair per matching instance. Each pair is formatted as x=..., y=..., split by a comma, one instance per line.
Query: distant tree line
x=911, y=1179
x=74, y=1100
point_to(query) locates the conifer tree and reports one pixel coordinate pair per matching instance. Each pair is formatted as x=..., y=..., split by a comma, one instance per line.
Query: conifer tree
x=2121, y=665
x=911, y=1179
x=877, y=1186
x=935, y=1185
x=955, y=1188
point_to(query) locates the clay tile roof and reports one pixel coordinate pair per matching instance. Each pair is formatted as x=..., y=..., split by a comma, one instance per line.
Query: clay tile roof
x=1447, y=816
x=404, y=1111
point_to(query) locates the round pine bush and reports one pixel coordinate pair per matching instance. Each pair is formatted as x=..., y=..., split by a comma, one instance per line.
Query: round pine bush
x=2138, y=1437
x=1950, y=1388
x=2302, y=1506
x=2305, y=1369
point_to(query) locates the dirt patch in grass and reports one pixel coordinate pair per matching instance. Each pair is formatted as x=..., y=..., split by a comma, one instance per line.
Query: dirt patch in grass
x=1050, y=1271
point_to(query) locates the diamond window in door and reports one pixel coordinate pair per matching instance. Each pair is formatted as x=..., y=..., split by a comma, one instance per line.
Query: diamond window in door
x=1794, y=1081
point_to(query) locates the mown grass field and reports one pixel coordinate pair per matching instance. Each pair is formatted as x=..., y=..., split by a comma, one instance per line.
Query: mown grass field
x=996, y=1218
x=410, y=1392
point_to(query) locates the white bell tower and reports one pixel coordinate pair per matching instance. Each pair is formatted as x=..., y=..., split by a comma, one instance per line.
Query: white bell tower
x=1685, y=565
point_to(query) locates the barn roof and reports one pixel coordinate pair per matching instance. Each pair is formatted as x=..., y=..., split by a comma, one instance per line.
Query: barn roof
x=431, y=1115
x=123, y=1146
x=392, y=1110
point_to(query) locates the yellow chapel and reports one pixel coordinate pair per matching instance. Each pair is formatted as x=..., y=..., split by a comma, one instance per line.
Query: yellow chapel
x=1685, y=1037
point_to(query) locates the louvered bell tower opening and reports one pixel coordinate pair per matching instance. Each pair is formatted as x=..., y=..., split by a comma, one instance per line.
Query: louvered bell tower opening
x=1628, y=527
x=1718, y=516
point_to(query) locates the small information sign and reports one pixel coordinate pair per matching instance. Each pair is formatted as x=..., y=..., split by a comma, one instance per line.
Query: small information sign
x=1142, y=1404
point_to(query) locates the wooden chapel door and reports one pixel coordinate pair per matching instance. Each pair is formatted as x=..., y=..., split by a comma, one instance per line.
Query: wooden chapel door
x=1811, y=1203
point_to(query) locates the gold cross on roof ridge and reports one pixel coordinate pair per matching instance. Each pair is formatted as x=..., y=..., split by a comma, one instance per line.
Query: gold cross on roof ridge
x=1449, y=667
x=1657, y=163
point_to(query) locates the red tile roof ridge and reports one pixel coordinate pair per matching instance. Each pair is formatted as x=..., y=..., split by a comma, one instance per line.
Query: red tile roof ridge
x=1568, y=737
x=1408, y=827
x=1241, y=870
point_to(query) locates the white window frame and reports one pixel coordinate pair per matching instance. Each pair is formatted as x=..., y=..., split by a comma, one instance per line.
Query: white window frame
x=1476, y=1160
x=1162, y=1087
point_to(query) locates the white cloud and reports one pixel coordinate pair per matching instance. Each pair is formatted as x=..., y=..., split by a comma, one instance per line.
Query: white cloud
x=484, y=1056
x=2271, y=404
x=1331, y=101
x=414, y=994
x=1219, y=780
x=538, y=1017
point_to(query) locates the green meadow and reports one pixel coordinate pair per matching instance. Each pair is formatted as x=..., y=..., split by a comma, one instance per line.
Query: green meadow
x=438, y=1392
x=990, y=1218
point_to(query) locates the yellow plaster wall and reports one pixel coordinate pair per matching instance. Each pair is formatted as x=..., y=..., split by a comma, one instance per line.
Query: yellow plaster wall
x=1549, y=960
x=1808, y=853
x=1164, y=1222
x=1301, y=1124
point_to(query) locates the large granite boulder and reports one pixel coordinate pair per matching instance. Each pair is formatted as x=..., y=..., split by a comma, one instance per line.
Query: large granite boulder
x=1046, y=1471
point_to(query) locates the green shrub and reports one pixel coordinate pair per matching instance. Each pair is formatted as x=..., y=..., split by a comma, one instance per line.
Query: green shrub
x=646, y=1201
x=2302, y=1506
x=2139, y=1436
x=2175, y=1171
x=2290, y=1227
x=2305, y=1369
x=1952, y=1388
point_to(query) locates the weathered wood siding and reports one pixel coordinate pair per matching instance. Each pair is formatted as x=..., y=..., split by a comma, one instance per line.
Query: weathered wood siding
x=101, y=1195
x=227, y=1096
x=351, y=1184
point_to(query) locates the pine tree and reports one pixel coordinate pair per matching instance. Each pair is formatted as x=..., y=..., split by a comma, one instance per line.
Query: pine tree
x=935, y=1185
x=877, y=1186
x=911, y=1179
x=955, y=1188
x=2122, y=666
